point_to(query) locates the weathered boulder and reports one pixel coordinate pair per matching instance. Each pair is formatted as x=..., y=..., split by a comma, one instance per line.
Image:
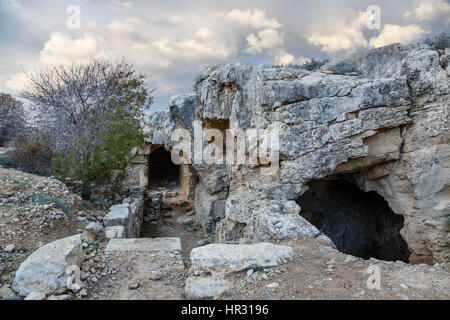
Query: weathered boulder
x=205, y=287
x=217, y=258
x=45, y=270
x=35, y=295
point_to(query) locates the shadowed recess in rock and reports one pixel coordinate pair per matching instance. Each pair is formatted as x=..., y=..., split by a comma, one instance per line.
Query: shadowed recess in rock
x=162, y=171
x=359, y=223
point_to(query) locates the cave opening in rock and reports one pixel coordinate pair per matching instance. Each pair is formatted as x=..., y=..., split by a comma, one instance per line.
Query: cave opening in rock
x=359, y=223
x=162, y=172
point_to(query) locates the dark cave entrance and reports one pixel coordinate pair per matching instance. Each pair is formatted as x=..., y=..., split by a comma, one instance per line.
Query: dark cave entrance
x=162, y=172
x=359, y=223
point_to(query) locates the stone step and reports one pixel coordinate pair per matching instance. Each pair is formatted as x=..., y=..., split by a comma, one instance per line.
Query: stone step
x=148, y=268
x=143, y=245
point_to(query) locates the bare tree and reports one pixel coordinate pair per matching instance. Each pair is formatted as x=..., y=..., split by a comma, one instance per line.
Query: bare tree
x=69, y=98
x=77, y=104
x=12, y=118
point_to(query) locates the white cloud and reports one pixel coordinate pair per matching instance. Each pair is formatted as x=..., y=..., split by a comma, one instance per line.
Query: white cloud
x=17, y=81
x=171, y=41
x=350, y=36
x=204, y=33
x=176, y=19
x=62, y=49
x=215, y=37
x=342, y=37
x=285, y=58
x=254, y=18
x=429, y=10
x=393, y=33
x=266, y=33
x=129, y=24
x=192, y=49
x=264, y=39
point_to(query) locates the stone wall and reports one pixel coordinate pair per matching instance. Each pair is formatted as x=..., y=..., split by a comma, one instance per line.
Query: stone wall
x=384, y=122
x=125, y=220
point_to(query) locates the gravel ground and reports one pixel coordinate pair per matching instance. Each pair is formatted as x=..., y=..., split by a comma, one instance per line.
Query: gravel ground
x=33, y=211
x=36, y=210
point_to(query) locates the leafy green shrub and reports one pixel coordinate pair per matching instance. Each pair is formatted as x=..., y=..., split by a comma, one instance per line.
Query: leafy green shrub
x=6, y=161
x=89, y=246
x=45, y=198
x=97, y=164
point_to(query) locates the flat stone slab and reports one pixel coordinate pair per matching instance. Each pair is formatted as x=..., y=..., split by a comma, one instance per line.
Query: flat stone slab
x=216, y=258
x=144, y=245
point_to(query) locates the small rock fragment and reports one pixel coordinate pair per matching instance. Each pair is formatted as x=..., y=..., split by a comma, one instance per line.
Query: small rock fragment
x=156, y=275
x=9, y=248
x=35, y=295
x=273, y=285
x=133, y=286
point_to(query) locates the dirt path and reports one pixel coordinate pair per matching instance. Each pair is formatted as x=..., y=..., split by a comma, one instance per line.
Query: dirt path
x=316, y=272
x=169, y=226
x=140, y=270
x=319, y=272
x=142, y=274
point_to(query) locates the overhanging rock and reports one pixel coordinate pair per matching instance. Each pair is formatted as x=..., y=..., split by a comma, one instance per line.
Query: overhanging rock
x=382, y=119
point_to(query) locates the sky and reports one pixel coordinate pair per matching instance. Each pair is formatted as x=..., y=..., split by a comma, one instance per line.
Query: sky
x=171, y=40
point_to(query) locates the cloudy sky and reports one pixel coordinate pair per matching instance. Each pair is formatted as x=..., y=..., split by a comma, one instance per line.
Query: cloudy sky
x=171, y=40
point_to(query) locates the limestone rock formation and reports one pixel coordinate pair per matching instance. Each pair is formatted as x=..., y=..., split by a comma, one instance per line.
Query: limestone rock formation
x=379, y=120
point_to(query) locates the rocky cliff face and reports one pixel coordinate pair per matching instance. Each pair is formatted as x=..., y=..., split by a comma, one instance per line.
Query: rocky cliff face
x=378, y=119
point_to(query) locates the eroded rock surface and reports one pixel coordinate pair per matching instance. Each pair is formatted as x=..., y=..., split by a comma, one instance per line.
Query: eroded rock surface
x=383, y=122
